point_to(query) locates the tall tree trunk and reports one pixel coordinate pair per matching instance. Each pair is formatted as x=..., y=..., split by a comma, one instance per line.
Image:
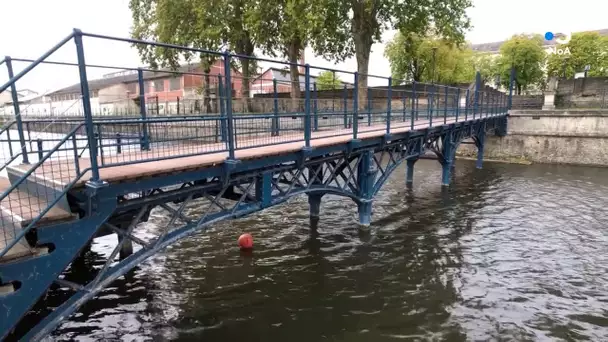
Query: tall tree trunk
x=246, y=48
x=206, y=90
x=363, y=48
x=245, y=63
x=294, y=55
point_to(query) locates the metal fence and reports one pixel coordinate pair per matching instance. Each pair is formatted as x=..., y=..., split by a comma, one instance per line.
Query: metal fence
x=62, y=150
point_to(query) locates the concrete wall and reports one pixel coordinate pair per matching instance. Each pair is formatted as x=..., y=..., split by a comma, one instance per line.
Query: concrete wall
x=562, y=137
x=582, y=93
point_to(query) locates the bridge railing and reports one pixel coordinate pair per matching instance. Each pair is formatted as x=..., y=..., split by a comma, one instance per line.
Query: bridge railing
x=230, y=112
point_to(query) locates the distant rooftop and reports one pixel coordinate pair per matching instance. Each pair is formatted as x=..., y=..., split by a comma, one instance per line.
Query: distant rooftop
x=495, y=46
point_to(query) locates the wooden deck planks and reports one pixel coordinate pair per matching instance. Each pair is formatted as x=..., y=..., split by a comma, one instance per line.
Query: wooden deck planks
x=63, y=171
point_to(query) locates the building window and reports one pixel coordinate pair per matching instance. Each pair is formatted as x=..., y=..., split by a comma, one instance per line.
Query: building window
x=159, y=85
x=146, y=87
x=175, y=83
x=95, y=93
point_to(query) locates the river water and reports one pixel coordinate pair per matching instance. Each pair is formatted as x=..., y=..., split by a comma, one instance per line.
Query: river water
x=509, y=252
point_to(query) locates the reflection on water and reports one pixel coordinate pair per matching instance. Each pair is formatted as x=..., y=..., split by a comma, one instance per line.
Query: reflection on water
x=507, y=253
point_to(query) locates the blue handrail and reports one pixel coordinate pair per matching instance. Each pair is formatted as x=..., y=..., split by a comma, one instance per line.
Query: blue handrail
x=23, y=178
x=35, y=63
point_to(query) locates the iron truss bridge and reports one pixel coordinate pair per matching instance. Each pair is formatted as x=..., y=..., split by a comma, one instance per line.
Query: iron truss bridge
x=69, y=179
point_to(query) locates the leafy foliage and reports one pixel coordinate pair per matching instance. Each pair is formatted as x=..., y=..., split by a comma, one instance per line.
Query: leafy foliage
x=487, y=67
x=286, y=27
x=526, y=54
x=328, y=80
x=585, y=48
x=367, y=20
x=411, y=59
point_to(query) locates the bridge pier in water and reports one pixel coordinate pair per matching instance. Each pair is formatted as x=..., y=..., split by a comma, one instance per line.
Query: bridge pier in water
x=366, y=175
x=409, y=177
x=480, y=141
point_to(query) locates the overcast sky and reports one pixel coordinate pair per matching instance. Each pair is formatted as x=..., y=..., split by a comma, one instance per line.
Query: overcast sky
x=30, y=27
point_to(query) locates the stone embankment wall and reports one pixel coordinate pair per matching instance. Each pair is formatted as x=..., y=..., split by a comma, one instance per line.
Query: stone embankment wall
x=561, y=136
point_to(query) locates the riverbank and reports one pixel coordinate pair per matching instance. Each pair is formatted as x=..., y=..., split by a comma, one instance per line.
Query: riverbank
x=572, y=137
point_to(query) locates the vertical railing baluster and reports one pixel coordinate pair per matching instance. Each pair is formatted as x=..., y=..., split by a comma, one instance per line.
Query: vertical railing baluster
x=511, y=84
x=75, y=150
x=229, y=122
x=414, y=104
x=345, y=105
x=413, y=100
x=431, y=100
x=466, y=105
x=457, y=103
x=145, y=142
x=275, y=105
x=221, y=91
x=389, y=97
x=369, y=106
x=15, y=99
x=315, y=108
x=86, y=105
x=307, y=125
x=404, y=100
x=356, y=106
x=476, y=100
x=445, y=106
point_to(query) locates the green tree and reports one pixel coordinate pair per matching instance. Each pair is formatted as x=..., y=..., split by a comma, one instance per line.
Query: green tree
x=585, y=48
x=286, y=27
x=411, y=59
x=367, y=20
x=486, y=65
x=526, y=54
x=201, y=24
x=328, y=80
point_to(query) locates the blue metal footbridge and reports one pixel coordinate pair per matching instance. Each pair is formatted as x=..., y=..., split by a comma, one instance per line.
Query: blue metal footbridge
x=66, y=181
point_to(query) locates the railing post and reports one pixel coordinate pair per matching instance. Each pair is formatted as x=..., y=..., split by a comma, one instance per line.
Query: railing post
x=476, y=100
x=221, y=91
x=511, y=84
x=275, y=106
x=457, y=103
x=345, y=105
x=369, y=106
x=466, y=105
x=445, y=106
x=413, y=118
x=489, y=105
x=15, y=98
x=40, y=148
x=86, y=105
x=389, y=97
x=315, y=107
x=307, y=128
x=118, y=143
x=145, y=142
x=356, y=106
x=404, y=100
x=231, y=137
x=431, y=102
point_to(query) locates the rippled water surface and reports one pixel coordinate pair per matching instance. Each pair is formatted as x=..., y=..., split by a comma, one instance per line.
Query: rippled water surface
x=509, y=252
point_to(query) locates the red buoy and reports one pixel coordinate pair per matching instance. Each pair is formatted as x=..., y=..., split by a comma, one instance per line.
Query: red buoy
x=246, y=241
